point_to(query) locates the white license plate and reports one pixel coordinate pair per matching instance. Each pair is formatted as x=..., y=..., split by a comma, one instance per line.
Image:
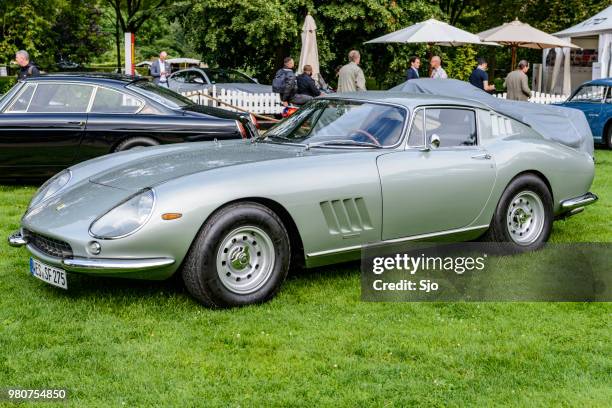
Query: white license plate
x=50, y=274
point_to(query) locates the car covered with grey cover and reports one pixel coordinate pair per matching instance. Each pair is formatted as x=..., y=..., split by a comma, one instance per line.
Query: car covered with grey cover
x=344, y=171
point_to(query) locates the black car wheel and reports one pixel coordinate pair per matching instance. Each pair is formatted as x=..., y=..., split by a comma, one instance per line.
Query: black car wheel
x=524, y=214
x=135, y=143
x=240, y=256
x=608, y=141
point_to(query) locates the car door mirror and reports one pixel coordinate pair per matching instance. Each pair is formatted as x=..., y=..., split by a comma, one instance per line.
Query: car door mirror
x=198, y=80
x=256, y=80
x=434, y=141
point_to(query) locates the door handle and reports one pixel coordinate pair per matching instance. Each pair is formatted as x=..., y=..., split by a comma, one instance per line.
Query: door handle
x=484, y=156
x=76, y=122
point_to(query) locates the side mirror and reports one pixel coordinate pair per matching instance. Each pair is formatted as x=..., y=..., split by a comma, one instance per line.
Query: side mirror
x=434, y=141
x=256, y=80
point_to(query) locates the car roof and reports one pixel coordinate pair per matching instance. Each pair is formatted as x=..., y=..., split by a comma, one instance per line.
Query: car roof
x=94, y=78
x=601, y=81
x=406, y=99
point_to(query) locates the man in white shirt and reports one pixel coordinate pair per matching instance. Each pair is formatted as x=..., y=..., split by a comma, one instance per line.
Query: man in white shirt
x=437, y=72
x=160, y=69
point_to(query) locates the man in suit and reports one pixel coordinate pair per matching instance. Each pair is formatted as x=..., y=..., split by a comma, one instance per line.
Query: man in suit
x=160, y=69
x=517, y=84
x=413, y=71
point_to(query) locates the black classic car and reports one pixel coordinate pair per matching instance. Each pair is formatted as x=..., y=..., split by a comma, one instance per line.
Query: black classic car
x=51, y=122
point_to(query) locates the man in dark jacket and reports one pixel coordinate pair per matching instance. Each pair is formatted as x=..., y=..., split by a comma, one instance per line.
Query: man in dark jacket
x=413, y=71
x=285, y=83
x=306, y=85
x=26, y=68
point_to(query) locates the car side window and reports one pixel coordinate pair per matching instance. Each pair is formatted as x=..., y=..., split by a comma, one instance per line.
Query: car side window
x=417, y=134
x=111, y=101
x=608, y=95
x=455, y=127
x=23, y=100
x=60, y=98
x=180, y=77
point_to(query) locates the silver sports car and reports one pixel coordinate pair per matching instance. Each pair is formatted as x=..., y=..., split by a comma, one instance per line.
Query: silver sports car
x=342, y=172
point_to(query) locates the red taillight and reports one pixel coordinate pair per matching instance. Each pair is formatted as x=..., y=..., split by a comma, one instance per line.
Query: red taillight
x=288, y=111
x=254, y=120
x=242, y=130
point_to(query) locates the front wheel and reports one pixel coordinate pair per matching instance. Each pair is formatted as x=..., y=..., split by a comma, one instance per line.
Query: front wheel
x=524, y=214
x=241, y=256
x=608, y=135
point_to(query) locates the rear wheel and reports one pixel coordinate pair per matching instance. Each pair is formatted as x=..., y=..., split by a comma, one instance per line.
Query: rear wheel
x=524, y=214
x=241, y=256
x=608, y=140
x=135, y=143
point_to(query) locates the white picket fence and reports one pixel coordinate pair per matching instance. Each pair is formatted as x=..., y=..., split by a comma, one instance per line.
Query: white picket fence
x=262, y=103
x=539, y=97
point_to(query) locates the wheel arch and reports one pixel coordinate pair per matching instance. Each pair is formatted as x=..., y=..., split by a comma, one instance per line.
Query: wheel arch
x=120, y=140
x=539, y=175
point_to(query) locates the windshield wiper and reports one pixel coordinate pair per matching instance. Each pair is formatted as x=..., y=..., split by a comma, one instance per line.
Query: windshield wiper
x=344, y=142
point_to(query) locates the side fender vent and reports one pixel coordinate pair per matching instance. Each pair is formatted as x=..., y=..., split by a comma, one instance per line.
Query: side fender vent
x=346, y=216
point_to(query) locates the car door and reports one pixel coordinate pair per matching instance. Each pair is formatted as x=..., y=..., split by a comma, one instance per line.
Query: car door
x=42, y=128
x=589, y=99
x=428, y=190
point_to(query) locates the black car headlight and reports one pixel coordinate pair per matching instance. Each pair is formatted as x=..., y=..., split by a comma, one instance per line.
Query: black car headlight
x=126, y=218
x=51, y=187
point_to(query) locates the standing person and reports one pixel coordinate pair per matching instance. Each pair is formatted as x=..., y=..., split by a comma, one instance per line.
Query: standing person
x=437, y=72
x=285, y=84
x=160, y=69
x=413, y=71
x=306, y=85
x=26, y=68
x=350, y=77
x=479, y=77
x=517, y=83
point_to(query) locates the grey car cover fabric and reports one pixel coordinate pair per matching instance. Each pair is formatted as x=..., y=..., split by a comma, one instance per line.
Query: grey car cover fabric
x=564, y=125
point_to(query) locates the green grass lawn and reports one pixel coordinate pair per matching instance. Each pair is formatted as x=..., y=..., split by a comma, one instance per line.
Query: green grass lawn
x=130, y=343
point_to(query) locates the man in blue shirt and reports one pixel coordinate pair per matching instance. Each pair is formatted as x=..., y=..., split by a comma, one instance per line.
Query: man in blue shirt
x=479, y=77
x=413, y=71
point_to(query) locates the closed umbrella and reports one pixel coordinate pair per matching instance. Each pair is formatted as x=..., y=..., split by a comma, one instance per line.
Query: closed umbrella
x=309, y=55
x=517, y=34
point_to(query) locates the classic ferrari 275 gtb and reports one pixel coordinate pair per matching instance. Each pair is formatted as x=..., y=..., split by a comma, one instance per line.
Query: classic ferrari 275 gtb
x=342, y=172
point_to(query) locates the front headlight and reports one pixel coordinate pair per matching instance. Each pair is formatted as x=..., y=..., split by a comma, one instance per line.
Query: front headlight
x=51, y=187
x=126, y=218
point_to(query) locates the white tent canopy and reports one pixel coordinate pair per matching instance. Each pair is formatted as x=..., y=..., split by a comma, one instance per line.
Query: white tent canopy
x=309, y=54
x=594, y=30
x=430, y=31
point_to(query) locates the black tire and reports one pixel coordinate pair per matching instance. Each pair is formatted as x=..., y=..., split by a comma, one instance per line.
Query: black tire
x=501, y=229
x=135, y=142
x=608, y=141
x=202, y=272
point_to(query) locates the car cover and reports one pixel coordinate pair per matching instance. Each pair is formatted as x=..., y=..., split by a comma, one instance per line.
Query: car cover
x=564, y=125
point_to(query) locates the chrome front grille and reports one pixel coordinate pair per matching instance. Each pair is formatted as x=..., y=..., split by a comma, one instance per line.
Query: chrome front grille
x=48, y=246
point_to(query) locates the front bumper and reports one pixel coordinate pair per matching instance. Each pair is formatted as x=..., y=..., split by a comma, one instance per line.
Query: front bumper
x=93, y=265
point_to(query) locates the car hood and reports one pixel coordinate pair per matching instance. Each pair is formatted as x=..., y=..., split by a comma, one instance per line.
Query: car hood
x=158, y=165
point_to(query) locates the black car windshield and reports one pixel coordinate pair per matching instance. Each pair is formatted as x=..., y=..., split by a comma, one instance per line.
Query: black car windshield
x=227, y=76
x=342, y=123
x=160, y=94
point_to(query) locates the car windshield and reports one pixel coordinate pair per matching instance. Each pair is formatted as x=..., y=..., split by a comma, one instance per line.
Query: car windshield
x=227, y=76
x=160, y=94
x=589, y=93
x=340, y=122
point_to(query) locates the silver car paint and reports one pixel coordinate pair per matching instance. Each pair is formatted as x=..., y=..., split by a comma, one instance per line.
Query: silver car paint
x=334, y=196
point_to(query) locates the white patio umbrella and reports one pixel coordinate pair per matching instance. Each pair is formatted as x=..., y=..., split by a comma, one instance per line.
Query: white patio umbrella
x=517, y=34
x=309, y=55
x=432, y=32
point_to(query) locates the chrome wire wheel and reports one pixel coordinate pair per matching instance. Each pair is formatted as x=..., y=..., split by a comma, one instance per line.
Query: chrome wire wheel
x=525, y=218
x=245, y=259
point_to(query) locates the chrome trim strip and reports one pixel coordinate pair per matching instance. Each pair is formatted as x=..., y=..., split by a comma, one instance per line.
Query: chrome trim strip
x=396, y=240
x=585, y=199
x=115, y=264
x=16, y=239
